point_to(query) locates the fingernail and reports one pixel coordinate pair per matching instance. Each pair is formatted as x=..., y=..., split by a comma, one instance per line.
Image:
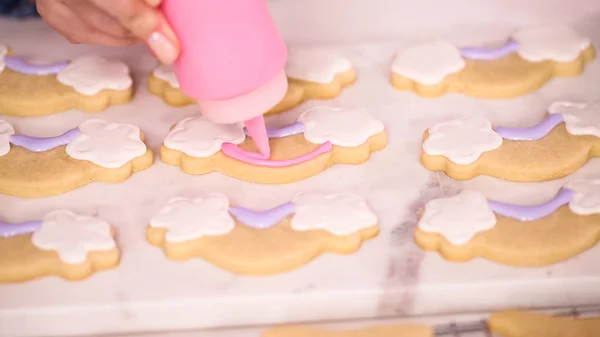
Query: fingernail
x=163, y=48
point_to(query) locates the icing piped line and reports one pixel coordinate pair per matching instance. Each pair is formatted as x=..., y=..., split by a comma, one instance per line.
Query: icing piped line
x=21, y=65
x=36, y=144
x=235, y=152
x=262, y=219
x=534, y=212
x=286, y=131
x=8, y=230
x=489, y=54
x=535, y=132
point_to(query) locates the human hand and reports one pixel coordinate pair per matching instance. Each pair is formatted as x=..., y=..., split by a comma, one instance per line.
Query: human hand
x=112, y=23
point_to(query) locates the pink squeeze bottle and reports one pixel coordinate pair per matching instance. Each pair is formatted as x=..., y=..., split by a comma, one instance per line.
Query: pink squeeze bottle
x=232, y=60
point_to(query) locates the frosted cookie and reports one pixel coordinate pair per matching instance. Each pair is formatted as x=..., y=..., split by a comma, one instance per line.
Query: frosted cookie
x=321, y=137
x=527, y=61
x=63, y=244
x=556, y=147
x=246, y=241
x=97, y=150
x=468, y=225
x=378, y=331
x=529, y=324
x=88, y=83
x=312, y=75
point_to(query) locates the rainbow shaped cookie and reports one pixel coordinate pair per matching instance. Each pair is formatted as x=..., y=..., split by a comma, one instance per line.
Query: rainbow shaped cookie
x=90, y=83
x=311, y=74
x=469, y=225
x=556, y=147
x=527, y=61
x=63, y=244
x=321, y=137
x=32, y=167
x=376, y=331
x=530, y=324
x=246, y=241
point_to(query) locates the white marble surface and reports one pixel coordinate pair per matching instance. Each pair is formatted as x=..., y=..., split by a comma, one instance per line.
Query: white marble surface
x=388, y=276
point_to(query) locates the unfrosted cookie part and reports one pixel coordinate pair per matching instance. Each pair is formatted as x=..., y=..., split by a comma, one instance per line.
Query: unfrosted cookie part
x=189, y=219
x=6, y=130
x=340, y=126
x=73, y=236
x=586, y=199
x=198, y=137
x=109, y=145
x=89, y=75
x=530, y=324
x=428, y=63
x=167, y=74
x=339, y=214
x=580, y=119
x=3, y=53
x=463, y=140
x=555, y=43
x=459, y=218
x=376, y=331
x=315, y=65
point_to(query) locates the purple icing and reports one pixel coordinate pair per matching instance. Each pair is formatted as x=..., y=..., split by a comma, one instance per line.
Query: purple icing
x=286, y=131
x=532, y=133
x=44, y=144
x=489, y=54
x=21, y=65
x=264, y=219
x=531, y=213
x=9, y=230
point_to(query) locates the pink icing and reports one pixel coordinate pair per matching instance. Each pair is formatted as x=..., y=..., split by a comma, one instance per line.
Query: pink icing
x=253, y=158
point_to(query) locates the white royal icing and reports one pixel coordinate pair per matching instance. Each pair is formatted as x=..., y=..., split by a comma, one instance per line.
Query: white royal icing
x=428, y=63
x=557, y=43
x=189, y=219
x=167, y=74
x=6, y=130
x=110, y=145
x=89, y=75
x=73, y=236
x=458, y=218
x=586, y=199
x=340, y=126
x=315, y=66
x=3, y=53
x=198, y=137
x=580, y=119
x=340, y=214
x=462, y=141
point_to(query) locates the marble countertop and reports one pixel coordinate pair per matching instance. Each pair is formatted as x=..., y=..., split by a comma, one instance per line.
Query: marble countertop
x=389, y=276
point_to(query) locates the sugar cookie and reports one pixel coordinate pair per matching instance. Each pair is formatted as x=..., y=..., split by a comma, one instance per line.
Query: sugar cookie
x=88, y=83
x=556, y=147
x=378, y=331
x=321, y=137
x=529, y=59
x=529, y=324
x=63, y=243
x=311, y=74
x=97, y=150
x=246, y=241
x=468, y=225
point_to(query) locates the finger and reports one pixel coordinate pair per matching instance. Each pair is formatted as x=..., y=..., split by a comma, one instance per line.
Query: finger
x=145, y=22
x=65, y=22
x=98, y=19
x=153, y=3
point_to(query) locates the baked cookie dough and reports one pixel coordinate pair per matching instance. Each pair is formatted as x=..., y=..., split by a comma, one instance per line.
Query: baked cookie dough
x=32, y=167
x=469, y=225
x=246, y=241
x=529, y=324
x=322, y=137
x=527, y=61
x=311, y=74
x=89, y=83
x=63, y=244
x=554, y=148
